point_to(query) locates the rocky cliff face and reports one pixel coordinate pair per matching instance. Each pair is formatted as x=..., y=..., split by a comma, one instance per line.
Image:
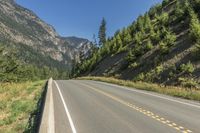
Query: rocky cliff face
x=19, y=25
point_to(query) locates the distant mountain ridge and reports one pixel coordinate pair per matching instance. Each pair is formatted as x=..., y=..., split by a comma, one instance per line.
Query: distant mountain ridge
x=20, y=26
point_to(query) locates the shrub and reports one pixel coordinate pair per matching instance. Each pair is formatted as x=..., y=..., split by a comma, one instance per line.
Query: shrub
x=149, y=45
x=126, y=37
x=180, y=11
x=165, y=3
x=134, y=65
x=130, y=57
x=187, y=68
x=155, y=10
x=169, y=38
x=155, y=36
x=159, y=69
x=196, y=51
x=138, y=38
x=140, y=77
x=163, y=18
x=194, y=26
x=138, y=51
x=188, y=82
x=164, y=49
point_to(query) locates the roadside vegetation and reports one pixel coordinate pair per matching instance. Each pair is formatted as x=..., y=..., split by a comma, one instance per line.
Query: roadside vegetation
x=27, y=65
x=182, y=92
x=18, y=105
x=162, y=46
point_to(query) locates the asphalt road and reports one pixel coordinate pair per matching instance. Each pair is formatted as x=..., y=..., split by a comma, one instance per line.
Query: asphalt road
x=96, y=107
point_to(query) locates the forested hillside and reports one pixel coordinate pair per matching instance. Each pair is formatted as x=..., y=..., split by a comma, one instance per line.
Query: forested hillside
x=23, y=63
x=31, y=49
x=161, y=46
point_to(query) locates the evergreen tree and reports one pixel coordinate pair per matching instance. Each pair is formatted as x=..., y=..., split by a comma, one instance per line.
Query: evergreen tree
x=126, y=37
x=102, y=32
x=165, y=2
x=115, y=47
x=194, y=26
x=147, y=23
x=119, y=44
x=140, y=24
x=195, y=29
x=149, y=45
x=94, y=40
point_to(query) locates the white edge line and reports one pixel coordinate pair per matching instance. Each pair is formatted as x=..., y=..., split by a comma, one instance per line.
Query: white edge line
x=66, y=109
x=140, y=91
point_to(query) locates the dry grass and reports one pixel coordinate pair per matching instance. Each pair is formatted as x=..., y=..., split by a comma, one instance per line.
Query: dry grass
x=192, y=94
x=17, y=102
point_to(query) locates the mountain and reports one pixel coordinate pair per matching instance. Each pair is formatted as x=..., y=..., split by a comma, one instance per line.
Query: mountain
x=35, y=42
x=81, y=47
x=162, y=46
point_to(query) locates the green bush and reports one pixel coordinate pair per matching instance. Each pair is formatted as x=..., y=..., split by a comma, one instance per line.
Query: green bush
x=163, y=19
x=187, y=68
x=126, y=37
x=155, y=36
x=155, y=10
x=194, y=26
x=165, y=3
x=159, y=69
x=138, y=38
x=164, y=49
x=180, y=11
x=130, y=57
x=149, y=45
x=169, y=38
x=188, y=82
x=134, y=65
x=140, y=77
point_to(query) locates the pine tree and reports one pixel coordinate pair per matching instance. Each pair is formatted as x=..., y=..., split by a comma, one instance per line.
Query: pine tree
x=115, y=46
x=119, y=44
x=165, y=2
x=149, y=45
x=102, y=32
x=195, y=29
x=126, y=37
x=147, y=23
x=94, y=40
x=140, y=24
x=194, y=26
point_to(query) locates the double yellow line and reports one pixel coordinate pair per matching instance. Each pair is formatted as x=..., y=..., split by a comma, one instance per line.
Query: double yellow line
x=141, y=110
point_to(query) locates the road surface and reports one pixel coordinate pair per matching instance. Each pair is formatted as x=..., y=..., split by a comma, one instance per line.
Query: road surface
x=97, y=107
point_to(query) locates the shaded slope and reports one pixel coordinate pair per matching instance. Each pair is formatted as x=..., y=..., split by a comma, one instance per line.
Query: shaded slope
x=162, y=46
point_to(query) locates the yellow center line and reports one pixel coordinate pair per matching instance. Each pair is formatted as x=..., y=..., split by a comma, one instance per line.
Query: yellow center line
x=143, y=111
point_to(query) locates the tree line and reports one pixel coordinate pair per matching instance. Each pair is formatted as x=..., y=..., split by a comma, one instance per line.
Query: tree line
x=147, y=32
x=27, y=65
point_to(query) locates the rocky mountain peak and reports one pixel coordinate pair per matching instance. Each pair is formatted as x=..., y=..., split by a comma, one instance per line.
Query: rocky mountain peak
x=21, y=25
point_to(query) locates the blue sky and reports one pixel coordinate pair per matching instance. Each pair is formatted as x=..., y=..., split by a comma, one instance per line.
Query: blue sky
x=82, y=17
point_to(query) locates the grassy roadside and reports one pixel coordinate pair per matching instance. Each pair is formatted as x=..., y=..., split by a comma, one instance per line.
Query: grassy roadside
x=191, y=94
x=17, y=102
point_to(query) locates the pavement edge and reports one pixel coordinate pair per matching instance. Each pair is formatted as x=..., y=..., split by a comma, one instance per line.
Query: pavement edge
x=47, y=124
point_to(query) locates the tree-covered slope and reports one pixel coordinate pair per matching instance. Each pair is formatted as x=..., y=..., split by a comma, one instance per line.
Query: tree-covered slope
x=34, y=46
x=22, y=63
x=161, y=46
